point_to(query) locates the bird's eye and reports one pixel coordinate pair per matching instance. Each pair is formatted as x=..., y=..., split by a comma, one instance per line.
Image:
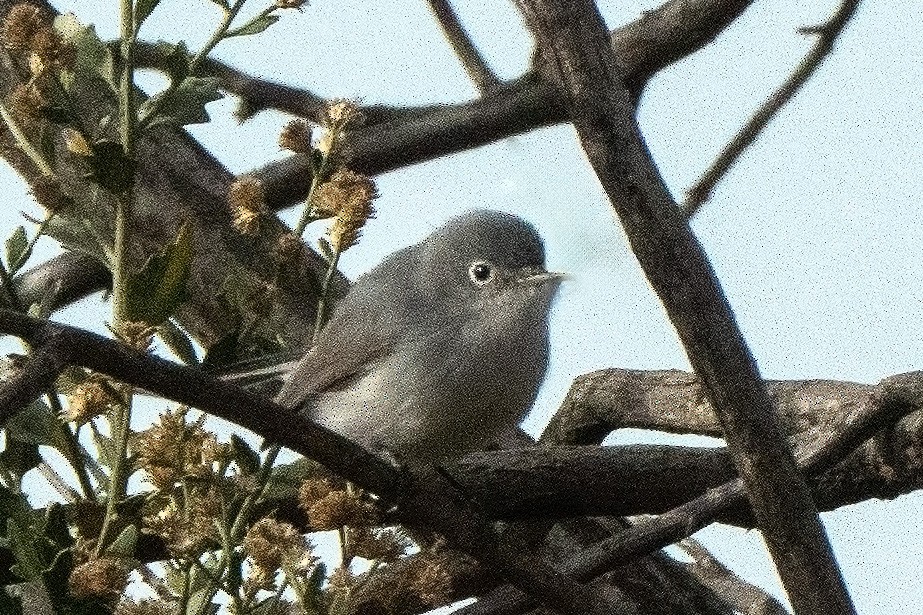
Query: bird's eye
x=481, y=272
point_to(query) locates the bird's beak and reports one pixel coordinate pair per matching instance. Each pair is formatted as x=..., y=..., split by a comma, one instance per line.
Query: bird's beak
x=537, y=277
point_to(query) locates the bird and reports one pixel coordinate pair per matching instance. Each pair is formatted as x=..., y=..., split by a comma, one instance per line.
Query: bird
x=440, y=349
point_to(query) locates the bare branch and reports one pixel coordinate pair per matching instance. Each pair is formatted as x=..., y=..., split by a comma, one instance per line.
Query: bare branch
x=35, y=376
x=467, y=53
x=895, y=397
x=575, y=44
x=827, y=34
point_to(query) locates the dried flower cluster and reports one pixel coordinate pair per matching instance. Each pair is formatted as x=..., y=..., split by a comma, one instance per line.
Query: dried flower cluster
x=91, y=398
x=296, y=137
x=331, y=508
x=27, y=32
x=104, y=577
x=347, y=196
x=247, y=201
x=275, y=546
x=189, y=529
x=172, y=449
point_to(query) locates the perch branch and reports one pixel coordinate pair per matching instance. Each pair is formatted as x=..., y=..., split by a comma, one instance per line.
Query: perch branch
x=424, y=496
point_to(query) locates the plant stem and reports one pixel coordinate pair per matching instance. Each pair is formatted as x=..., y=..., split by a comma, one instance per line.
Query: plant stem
x=23, y=142
x=322, y=301
x=196, y=62
x=121, y=417
x=75, y=451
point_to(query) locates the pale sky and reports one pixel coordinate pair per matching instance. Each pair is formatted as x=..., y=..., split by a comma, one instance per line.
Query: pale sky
x=815, y=234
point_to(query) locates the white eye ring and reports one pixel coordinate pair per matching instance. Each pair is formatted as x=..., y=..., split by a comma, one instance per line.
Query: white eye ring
x=481, y=272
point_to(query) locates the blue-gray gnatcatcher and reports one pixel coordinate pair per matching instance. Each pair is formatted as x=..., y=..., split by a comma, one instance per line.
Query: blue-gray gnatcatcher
x=438, y=350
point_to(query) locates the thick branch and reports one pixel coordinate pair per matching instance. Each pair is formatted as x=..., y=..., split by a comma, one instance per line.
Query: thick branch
x=424, y=497
x=574, y=42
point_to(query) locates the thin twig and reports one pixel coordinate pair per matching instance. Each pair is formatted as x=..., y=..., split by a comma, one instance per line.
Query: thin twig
x=458, y=38
x=827, y=34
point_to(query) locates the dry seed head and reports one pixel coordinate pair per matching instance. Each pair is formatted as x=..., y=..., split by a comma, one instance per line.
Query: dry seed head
x=138, y=335
x=382, y=544
x=105, y=577
x=340, y=508
x=296, y=137
x=247, y=201
x=21, y=23
x=76, y=143
x=291, y=4
x=146, y=606
x=273, y=544
x=348, y=196
x=288, y=247
x=171, y=449
x=27, y=105
x=340, y=115
x=89, y=399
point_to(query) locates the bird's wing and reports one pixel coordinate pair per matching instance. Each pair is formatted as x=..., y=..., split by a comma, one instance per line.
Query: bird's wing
x=362, y=330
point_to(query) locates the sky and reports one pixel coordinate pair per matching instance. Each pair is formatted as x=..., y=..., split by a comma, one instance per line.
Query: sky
x=815, y=234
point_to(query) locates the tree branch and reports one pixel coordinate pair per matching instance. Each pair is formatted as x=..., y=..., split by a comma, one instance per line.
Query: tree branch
x=575, y=43
x=423, y=496
x=827, y=34
x=467, y=53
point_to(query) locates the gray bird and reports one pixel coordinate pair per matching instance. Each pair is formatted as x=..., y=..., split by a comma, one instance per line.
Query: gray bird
x=440, y=349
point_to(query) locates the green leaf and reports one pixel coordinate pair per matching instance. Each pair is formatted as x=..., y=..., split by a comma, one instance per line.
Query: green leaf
x=174, y=59
x=17, y=246
x=29, y=564
x=178, y=342
x=124, y=545
x=182, y=106
x=285, y=479
x=159, y=287
x=110, y=167
x=247, y=459
x=143, y=10
x=93, y=57
x=254, y=26
x=37, y=424
x=104, y=446
x=20, y=457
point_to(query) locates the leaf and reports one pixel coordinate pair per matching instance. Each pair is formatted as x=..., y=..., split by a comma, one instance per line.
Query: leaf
x=182, y=106
x=104, y=446
x=20, y=457
x=174, y=59
x=285, y=479
x=254, y=26
x=16, y=246
x=159, y=287
x=178, y=342
x=247, y=459
x=124, y=545
x=28, y=558
x=37, y=424
x=110, y=167
x=93, y=57
x=143, y=10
